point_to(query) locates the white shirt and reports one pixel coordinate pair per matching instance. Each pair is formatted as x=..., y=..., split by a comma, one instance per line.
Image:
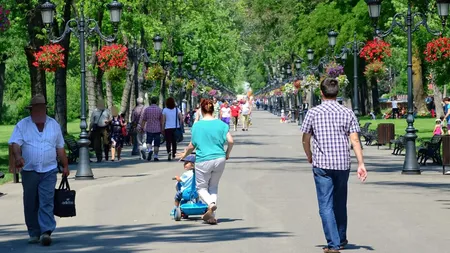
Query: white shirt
x=38, y=148
x=246, y=108
x=171, y=118
x=394, y=104
x=226, y=112
x=186, y=180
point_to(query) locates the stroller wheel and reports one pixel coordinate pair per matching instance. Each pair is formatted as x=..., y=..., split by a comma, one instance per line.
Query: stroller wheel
x=177, y=214
x=184, y=216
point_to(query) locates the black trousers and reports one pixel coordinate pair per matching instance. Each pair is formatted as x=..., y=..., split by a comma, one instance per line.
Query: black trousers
x=171, y=142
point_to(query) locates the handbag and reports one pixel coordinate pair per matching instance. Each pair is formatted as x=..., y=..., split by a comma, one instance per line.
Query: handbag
x=178, y=130
x=64, y=205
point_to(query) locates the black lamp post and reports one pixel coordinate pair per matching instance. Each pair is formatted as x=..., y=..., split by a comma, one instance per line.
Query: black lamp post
x=298, y=67
x=332, y=36
x=180, y=56
x=354, y=47
x=82, y=28
x=410, y=165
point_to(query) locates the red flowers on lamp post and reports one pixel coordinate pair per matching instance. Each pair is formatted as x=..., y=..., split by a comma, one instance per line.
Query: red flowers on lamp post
x=50, y=57
x=376, y=50
x=112, y=56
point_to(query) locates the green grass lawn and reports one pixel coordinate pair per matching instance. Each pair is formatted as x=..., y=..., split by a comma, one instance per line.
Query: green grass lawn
x=5, y=132
x=425, y=126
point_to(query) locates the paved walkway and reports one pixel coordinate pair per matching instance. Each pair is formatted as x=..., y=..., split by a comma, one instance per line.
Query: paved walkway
x=267, y=203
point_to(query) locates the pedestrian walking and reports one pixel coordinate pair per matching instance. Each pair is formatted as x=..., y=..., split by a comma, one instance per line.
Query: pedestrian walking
x=208, y=139
x=98, y=130
x=152, y=123
x=395, y=110
x=172, y=119
x=137, y=134
x=235, y=111
x=225, y=114
x=36, y=142
x=330, y=125
x=216, y=108
x=116, y=137
x=447, y=113
x=246, y=110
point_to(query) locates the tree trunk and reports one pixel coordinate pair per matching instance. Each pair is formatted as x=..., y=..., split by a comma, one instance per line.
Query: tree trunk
x=162, y=93
x=61, y=76
x=368, y=102
x=90, y=80
x=127, y=89
x=109, y=94
x=375, y=96
x=34, y=26
x=131, y=107
x=418, y=91
x=99, y=83
x=437, y=94
x=2, y=82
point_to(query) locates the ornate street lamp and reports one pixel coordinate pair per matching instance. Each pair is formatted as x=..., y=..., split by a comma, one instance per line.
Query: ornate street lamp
x=310, y=54
x=201, y=71
x=354, y=47
x=82, y=28
x=194, y=66
x=410, y=165
x=332, y=35
x=157, y=44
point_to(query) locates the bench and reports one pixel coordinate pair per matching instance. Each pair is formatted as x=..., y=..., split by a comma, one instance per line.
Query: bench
x=430, y=149
x=73, y=148
x=370, y=137
x=399, y=145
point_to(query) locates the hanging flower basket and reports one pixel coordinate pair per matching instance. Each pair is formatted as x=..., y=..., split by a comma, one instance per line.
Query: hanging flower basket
x=207, y=89
x=112, y=56
x=375, y=70
x=4, y=21
x=191, y=84
x=154, y=73
x=438, y=51
x=289, y=88
x=376, y=50
x=343, y=80
x=179, y=82
x=310, y=80
x=278, y=92
x=194, y=94
x=116, y=74
x=50, y=57
x=334, y=70
x=212, y=93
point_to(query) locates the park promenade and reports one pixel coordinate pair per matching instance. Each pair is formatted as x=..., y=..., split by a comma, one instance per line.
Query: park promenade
x=267, y=203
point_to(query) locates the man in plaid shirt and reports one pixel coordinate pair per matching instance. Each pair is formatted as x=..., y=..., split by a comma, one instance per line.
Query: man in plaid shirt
x=151, y=122
x=330, y=125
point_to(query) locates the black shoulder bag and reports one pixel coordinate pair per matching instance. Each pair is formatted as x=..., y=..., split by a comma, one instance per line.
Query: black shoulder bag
x=64, y=205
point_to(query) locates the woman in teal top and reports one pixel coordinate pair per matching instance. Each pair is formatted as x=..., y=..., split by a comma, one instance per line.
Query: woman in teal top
x=208, y=139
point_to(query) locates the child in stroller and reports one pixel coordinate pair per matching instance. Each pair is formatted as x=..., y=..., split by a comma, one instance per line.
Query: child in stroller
x=186, y=199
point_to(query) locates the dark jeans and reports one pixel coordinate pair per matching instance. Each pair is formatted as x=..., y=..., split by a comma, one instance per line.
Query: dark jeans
x=171, y=143
x=331, y=187
x=38, y=199
x=154, y=138
x=100, y=137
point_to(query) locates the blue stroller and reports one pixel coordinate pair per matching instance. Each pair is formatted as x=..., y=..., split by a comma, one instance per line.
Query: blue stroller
x=190, y=203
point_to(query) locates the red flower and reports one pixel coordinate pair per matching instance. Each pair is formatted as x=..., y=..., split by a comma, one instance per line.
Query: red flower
x=376, y=50
x=437, y=51
x=113, y=56
x=49, y=58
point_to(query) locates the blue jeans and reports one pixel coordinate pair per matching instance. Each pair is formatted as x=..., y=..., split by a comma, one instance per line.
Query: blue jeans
x=38, y=201
x=331, y=187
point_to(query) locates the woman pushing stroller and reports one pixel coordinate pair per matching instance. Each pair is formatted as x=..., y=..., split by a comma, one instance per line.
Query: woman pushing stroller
x=208, y=139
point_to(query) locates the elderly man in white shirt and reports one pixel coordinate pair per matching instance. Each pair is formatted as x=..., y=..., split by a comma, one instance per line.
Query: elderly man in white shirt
x=36, y=142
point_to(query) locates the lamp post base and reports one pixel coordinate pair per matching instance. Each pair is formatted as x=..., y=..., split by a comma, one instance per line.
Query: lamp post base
x=411, y=172
x=84, y=170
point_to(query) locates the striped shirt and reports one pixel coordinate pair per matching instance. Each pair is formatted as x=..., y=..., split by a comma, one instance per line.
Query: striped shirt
x=330, y=125
x=152, y=116
x=38, y=148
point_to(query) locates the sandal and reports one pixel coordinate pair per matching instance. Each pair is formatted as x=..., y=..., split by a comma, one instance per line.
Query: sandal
x=328, y=250
x=212, y=221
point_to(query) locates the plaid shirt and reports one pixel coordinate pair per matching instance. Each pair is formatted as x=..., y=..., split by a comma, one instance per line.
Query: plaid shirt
x=152, y=116
x=330, y=125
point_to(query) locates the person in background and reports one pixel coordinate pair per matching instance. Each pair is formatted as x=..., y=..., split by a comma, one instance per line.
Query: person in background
x=216, y=108
x=116, y=136
x=235, y=111
x=225, y=114
x=172, y=119
x=447, y=113
x=36, y=142
x=137, y=134
x=438, y=128
x=98, y=129
x=246, y=110
x=152, y=124
x=331, y=160
x=208, y=139
x=395, y=111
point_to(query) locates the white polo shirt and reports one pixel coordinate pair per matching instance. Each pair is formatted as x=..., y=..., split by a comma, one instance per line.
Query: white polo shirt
x=38, y=148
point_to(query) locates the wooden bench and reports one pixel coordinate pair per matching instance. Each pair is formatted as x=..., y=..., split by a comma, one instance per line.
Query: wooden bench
x=430, y=149
x=72, y=146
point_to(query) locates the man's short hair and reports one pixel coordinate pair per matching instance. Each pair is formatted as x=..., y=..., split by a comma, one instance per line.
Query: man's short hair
x=329, y=87
x=154, y=100
x=446, y=99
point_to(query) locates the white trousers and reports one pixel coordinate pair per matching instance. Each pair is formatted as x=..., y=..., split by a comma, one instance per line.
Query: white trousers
x=207, y=177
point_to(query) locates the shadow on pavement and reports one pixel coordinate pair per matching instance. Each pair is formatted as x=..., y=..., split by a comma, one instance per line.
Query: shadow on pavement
x=352, y=247
x=129, y=238
x=423, y=185
x=266, y=159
